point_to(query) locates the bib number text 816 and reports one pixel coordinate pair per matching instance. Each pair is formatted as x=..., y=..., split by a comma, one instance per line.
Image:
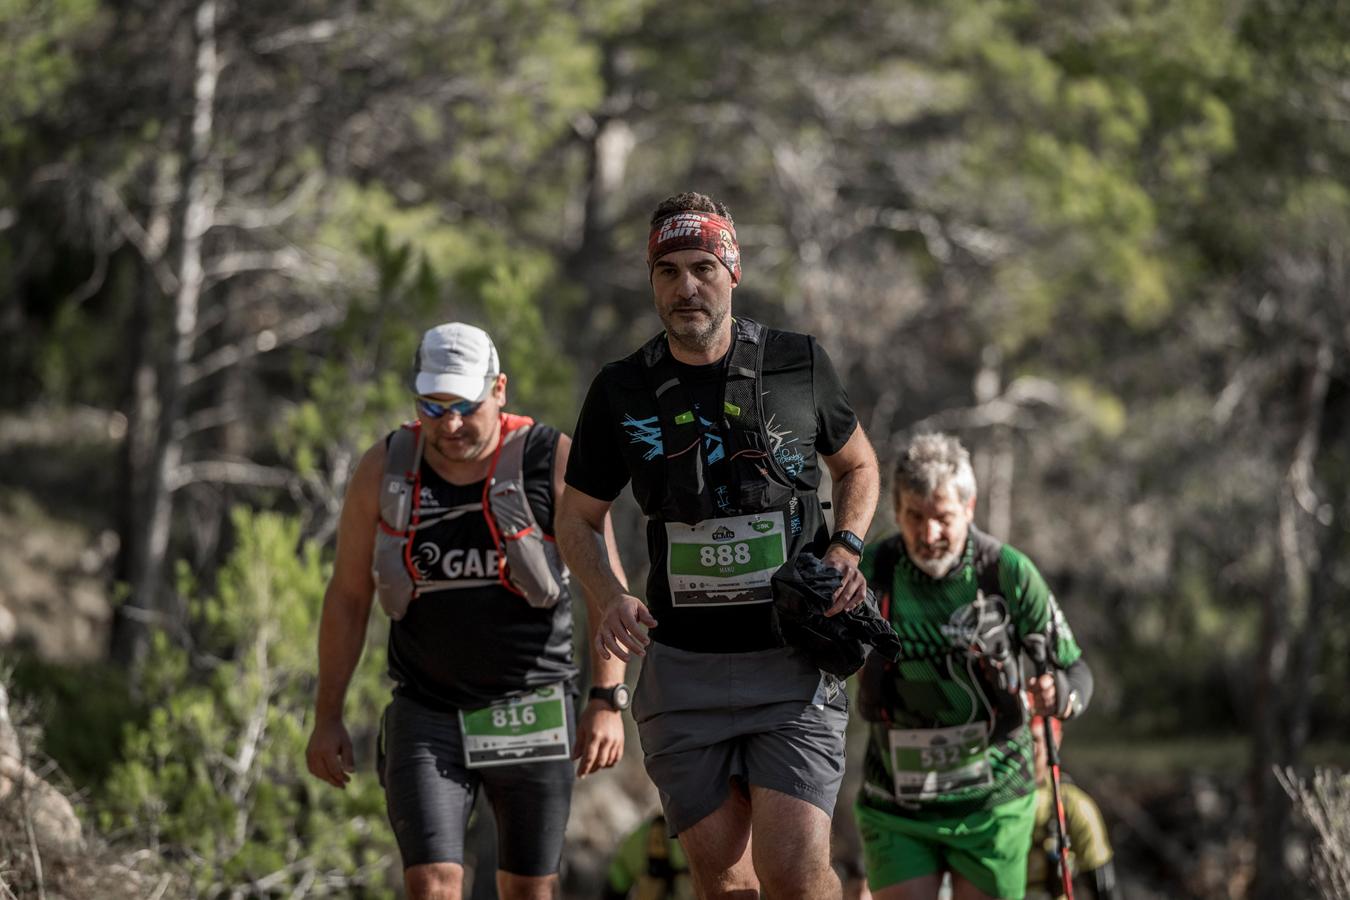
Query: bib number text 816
x=514, y=717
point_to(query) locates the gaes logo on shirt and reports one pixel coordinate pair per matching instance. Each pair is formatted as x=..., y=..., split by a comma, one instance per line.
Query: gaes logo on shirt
x=470, y=563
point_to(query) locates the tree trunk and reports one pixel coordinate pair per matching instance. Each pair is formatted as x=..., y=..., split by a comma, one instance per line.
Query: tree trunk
x=198, y=208
x=1285, y=615
x=140, y=408
x=608, y=147
x=993, y=460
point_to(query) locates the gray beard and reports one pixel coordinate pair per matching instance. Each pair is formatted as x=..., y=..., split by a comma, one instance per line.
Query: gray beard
x=698, y=340
x=937, y=568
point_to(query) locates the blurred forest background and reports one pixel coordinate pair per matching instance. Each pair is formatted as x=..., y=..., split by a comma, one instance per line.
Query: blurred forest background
x=1107, y=243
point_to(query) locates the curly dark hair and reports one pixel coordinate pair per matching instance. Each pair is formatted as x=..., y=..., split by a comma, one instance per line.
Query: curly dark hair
x=690, y=201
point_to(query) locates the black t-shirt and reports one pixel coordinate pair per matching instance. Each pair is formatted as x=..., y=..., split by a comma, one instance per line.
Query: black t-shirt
x=469, y=640
x=806, y=413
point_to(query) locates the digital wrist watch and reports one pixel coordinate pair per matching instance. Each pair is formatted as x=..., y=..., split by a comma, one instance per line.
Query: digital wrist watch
x=849, y=541
x=616, y=697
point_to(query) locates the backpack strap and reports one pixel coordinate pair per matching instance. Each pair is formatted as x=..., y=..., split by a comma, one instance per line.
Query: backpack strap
x=883, y=574
x=1008, y=710
x=402, y=465
x=988, y=551
x=681, y=431
x=743, y=396
x=529, y=563
x=400, y=502
x=401, y=494
x=509, y=458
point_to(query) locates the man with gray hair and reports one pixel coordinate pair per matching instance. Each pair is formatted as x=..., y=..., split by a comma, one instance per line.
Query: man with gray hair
x=949, y=777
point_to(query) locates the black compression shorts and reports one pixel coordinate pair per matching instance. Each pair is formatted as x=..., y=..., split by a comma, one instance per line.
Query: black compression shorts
x=429, y=794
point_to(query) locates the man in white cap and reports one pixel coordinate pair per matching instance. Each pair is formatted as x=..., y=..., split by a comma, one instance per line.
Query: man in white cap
x=449, y=520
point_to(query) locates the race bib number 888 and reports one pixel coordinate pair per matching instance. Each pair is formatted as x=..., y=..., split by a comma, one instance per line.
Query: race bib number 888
x=725, y=555
x=725, y=562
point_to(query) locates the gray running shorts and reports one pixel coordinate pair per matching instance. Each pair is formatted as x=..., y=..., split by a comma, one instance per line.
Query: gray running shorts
x=429, y=793
x=706, y=717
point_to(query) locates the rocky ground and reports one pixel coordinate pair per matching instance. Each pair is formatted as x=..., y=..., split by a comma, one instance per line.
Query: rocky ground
x=45, y=851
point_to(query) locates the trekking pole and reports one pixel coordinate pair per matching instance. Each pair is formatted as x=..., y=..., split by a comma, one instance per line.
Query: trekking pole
x=1040, y=657
x=1061, y=826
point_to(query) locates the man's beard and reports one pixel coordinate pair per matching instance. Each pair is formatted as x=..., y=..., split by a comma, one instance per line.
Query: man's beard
x=460, y=451
x=691, y=335
x=939, y=566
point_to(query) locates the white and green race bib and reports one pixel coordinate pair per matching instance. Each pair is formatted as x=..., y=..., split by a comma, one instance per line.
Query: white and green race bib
x=526, y=728
x=725, y=562
x=929, y=762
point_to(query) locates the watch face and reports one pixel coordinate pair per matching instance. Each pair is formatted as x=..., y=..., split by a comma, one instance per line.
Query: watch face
x=621, y=696
x=849, y=540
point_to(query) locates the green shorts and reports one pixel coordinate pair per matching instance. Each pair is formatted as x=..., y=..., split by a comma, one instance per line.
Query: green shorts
x=987, y=848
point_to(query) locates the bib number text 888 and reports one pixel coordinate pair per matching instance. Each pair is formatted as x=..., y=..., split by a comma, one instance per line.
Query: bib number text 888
x=724, y=555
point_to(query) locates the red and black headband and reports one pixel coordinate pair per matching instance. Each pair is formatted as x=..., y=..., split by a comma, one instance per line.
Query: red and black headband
x=691, y=230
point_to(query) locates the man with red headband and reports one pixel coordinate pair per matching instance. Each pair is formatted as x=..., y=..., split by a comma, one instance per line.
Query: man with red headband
x=721, y=426
x=448, y=520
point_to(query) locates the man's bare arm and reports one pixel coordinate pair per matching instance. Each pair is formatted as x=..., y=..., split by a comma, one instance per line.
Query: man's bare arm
x=857, y=485
x=600, y=734
x=586, y=543
x=607, y=671
x=342, y=624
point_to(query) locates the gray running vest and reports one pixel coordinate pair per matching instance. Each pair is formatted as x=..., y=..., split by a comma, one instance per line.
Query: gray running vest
x=531, y=565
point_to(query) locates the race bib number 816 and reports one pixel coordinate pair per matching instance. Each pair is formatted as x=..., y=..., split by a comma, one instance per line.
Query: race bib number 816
x=528, y=728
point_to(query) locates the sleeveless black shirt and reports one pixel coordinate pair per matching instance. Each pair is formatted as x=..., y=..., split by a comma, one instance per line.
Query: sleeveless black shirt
x=467, y=644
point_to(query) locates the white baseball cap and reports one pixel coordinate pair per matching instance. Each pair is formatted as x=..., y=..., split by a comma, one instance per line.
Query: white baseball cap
x=455, y=359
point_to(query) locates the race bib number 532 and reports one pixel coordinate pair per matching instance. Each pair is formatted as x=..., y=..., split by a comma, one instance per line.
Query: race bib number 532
x=930, y=762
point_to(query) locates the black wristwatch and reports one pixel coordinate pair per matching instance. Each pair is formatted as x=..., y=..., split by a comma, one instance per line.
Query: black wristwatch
x=617, y=697
x=848, y=540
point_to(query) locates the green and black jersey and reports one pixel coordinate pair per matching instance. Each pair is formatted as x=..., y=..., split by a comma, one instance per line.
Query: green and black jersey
x=949, y=738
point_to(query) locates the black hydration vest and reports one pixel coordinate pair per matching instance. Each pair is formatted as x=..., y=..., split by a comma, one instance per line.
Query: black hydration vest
x=758, y=482
x=673, y=483
x=879, y=689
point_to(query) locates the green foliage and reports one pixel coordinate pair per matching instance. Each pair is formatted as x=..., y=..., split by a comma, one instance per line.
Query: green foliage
x=427, y=271
x=216, y=776
x=1144, y=204
x=38, y=37
x=81, y=710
